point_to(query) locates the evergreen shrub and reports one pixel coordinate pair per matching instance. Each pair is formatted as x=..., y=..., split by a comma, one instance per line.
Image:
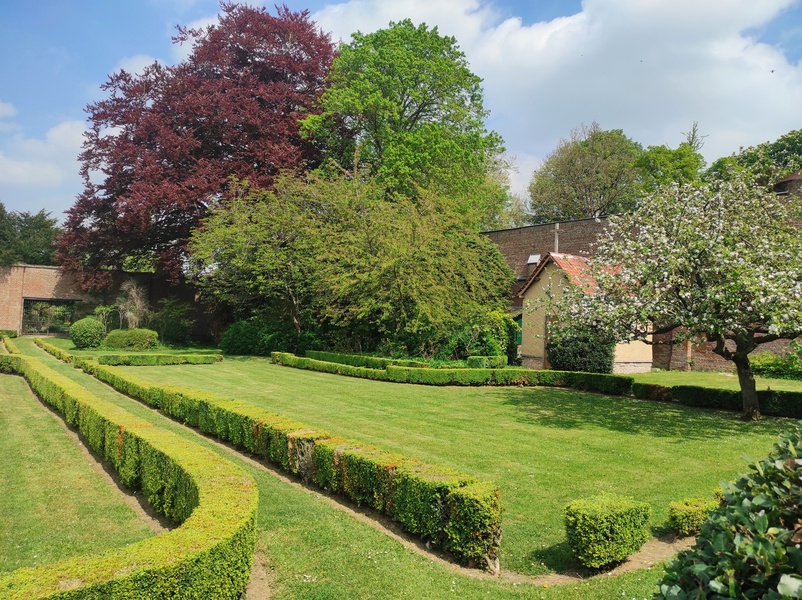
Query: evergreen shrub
x=150, y=360
x=606, y=529
x=10, y=333
x=787, y=366
x=131, y=339
x=687, y=516
x=242, y=338
x=87, y=333
x=581, y=351
x=487, y=362
x=750, y=547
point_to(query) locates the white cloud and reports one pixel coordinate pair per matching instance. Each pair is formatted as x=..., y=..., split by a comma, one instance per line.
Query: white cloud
x=649, y=68
x=36, y=173
x=7, y=110
x=134, y=64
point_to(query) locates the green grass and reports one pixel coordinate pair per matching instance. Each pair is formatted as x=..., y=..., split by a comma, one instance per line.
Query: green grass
x=316, y=551
x=544, y=447
x=52, y=504
x=727, y=381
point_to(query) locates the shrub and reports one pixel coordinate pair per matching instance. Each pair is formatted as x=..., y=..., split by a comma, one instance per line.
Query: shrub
x=606, y=529
x=581, y=351
x=787, y=366
x=150, y=360
x=687, y=516
x=241, y=338
x=87, y=333
x=132, y=339
x=173, y=322
x=487, y=362
x=750, y=547
x=8, y=333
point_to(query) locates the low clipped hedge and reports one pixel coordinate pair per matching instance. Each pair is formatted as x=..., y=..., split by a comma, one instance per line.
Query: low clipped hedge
x=687, y=516
x=606, y=529
x=11, y=347
x=777, y=403
x=151, y=360
x=451, y=510
x=593, y=382
x=10, y=333
x=208, y=556
x=359, y=360
x=131, y=339
x=60, y=354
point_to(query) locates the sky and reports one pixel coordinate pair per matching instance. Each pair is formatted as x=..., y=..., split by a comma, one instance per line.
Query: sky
x=648, y=67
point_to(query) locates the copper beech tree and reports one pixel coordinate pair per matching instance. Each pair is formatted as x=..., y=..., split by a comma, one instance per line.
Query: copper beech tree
x=166, y=142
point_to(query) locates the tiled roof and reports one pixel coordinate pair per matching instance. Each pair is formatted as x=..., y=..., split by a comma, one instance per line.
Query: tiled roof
x=575, y=267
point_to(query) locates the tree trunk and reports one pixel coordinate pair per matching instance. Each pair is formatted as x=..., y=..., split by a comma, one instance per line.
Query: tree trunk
x=748, y=389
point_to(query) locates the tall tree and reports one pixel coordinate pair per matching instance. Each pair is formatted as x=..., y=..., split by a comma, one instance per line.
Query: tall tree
x=333, y=256
x=661, y=165
x=27, y=238
x=166, y=142
x=415, y=114
x=593, y=173
x=769, y=162
x=718, y=262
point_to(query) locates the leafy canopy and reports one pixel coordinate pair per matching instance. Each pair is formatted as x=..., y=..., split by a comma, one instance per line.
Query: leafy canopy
x=164, y=143
x=412, y=113
x=27, y=238
x=333, y=257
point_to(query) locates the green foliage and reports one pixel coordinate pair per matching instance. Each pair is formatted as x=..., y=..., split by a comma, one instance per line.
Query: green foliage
x=415, y=113
x=8, y=333
x=583, y=351
x=87, y=333
x=131, y=339
x=208, y=556
x=687, y=516
x=662, y=166
x=487, y=362
x=787, y=366
x=338, y=263
x=771, y=161
x=363, y=474
x=242, y=338
x=489, y=334
x=750, y=547
x=27, y=238
x=150, y=360
x=591, y=174
x=173, y=321
x=606, y=529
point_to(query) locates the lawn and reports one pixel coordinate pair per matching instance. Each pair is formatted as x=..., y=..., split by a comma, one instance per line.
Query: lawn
x=728, y=381
x=66, y=344
x=544, y=447
x=316, y=551
x=52, y=505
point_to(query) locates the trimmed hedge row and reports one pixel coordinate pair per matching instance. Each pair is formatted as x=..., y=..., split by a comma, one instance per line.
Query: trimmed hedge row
x=60, y=354
x=592, y=382
x=151, y=360
x=452, y=510
x=208, y=556
x=775, y=403
x=358, y=360
x=487, y=362
x=11, y=347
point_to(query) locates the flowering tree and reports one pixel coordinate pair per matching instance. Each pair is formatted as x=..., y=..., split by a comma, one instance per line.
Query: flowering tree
x=720, y=262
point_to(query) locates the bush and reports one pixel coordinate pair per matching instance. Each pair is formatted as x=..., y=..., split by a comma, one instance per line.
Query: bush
x=152, y=360
x=581, y=351
x=487, y=362
x=242, y=338
x=173, y=322
x=750, y=547
x=87, y=333
x=687, y=516
x=787, y=366
x=132, y=339
x=606, y=529
x=8, y=333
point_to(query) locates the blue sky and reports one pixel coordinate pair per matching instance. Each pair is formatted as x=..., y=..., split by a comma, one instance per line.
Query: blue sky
x=651, y=68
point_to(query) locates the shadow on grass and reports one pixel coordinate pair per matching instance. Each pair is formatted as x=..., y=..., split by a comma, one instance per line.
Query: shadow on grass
x=571, y=409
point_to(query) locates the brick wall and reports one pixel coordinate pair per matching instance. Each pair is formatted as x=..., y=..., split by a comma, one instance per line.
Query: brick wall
x=518, y=244
x=21, y=282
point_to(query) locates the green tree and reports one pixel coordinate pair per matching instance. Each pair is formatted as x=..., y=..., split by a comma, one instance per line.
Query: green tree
x=717, y=262
x=412, y=112
x=333, y=257
x=768, y=162
x=27, y=238
x=660, y=165
x=593, y=173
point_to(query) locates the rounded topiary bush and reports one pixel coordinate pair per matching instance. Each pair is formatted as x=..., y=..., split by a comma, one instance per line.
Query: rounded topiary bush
x=87, y=333
x=132, y=339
